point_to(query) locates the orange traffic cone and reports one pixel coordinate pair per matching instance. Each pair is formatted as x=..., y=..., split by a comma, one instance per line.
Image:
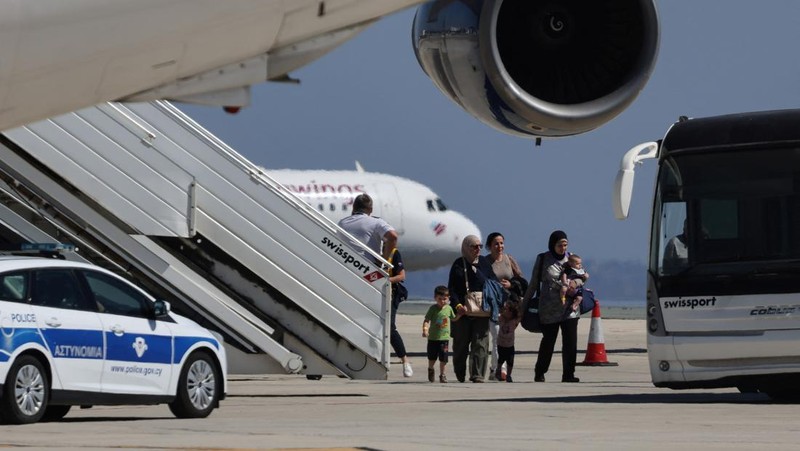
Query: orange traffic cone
x=596, y=349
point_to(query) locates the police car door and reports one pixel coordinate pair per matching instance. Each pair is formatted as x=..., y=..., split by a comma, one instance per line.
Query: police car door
x=70, y=328
x=138, y=348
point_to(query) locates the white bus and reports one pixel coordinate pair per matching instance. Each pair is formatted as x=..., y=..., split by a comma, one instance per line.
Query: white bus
x=723, y=287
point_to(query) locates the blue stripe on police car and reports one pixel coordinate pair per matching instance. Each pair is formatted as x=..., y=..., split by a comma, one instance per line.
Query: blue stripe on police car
x=74, y=344
x=183, y=344
x=145, y=348
x=12, y=339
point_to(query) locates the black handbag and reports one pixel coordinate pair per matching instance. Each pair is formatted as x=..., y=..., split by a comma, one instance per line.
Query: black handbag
x=530, y=317
x=588, y=301
x=530, y=313
x=399, y=292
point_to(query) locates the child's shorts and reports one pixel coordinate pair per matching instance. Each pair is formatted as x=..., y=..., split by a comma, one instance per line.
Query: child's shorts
x=438, y=350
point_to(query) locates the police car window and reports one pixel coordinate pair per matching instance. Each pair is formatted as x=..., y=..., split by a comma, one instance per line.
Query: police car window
x=57, y=288
x=430, y=205
x=14, y=286
x=441, y=205
x=116, y=297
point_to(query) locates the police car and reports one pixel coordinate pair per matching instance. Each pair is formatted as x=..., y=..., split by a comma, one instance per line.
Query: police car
x=76, y=334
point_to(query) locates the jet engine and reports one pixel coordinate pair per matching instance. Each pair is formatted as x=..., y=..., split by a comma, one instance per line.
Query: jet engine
x=541, y=68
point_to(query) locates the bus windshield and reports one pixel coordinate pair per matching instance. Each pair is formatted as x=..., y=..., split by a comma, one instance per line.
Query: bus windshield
x=726, y=213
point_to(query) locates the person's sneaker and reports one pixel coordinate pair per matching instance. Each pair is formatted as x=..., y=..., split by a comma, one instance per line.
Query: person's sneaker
x=498, y=375
x=407, y=371
x=508, y=378
x=477, y=380
x=431, y=374
x=492, y=375
x=443, y=378
x=538, y=378
x=572, y=379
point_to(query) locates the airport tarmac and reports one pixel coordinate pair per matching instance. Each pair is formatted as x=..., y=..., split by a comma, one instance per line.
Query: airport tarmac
x=611, y=408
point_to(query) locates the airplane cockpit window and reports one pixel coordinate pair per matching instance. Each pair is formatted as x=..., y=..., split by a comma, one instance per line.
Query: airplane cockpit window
x=441, y=205
x=430, y=205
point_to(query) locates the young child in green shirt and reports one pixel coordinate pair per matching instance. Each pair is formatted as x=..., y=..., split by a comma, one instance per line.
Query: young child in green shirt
x=437, y=328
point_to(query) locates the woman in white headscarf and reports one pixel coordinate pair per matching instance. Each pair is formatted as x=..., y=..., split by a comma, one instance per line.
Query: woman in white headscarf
x=470, y=333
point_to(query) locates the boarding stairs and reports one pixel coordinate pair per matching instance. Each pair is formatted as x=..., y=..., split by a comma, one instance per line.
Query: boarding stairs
x=143, y=189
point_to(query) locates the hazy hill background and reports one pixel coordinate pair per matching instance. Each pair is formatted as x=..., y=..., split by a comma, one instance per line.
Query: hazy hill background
x=610, y=279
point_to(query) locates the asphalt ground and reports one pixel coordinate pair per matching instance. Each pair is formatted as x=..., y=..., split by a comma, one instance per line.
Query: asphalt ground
x=611, y=408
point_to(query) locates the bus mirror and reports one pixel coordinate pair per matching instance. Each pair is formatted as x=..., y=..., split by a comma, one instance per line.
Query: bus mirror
x=623, y=185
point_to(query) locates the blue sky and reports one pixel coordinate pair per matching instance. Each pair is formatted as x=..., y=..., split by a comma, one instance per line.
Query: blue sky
x=369, y=101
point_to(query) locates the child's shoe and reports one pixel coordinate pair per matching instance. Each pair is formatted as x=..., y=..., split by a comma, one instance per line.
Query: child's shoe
x=431, y=374
x=443, y=378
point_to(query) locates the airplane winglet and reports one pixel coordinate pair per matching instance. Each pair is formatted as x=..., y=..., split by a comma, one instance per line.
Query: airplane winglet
x=359, y=168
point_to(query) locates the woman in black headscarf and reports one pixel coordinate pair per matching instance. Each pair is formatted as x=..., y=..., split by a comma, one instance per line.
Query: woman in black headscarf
x=546, y=280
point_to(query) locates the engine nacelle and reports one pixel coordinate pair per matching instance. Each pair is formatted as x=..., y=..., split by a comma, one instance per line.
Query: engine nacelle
x=539, y=67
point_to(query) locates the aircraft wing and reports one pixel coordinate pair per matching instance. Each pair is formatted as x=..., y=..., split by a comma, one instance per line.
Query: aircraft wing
x=62, y=56
x=531, y=69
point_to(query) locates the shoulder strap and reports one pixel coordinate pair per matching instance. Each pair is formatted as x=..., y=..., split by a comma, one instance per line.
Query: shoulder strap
x=466, y=276
x=540, y=261
x=391, y=261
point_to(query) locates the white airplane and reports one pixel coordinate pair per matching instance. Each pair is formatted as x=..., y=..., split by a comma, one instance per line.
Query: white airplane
x=430, y=233
x=528, y=68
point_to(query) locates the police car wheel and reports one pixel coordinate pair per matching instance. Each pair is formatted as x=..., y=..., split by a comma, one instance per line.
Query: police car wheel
x=26, y=391
x=198, y=387
x=55, y=413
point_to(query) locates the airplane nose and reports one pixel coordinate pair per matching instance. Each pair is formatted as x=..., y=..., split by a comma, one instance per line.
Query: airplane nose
x=462, y=227
x=443, y=243
x=459, y=226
